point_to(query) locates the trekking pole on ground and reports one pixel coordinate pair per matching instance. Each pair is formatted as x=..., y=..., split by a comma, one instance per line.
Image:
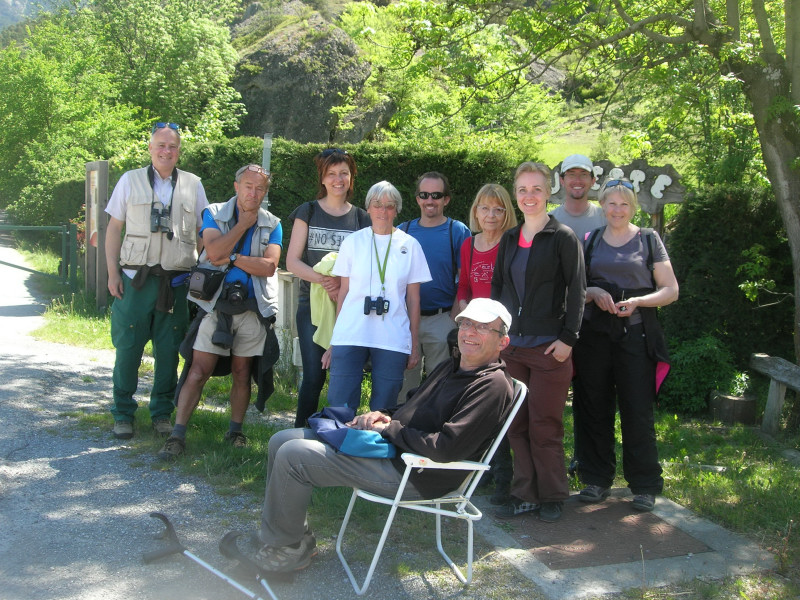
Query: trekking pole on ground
x=229, y=549
x=176, y=547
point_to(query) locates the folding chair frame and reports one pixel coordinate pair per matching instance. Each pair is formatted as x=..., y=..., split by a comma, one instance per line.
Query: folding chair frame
x=459, y=501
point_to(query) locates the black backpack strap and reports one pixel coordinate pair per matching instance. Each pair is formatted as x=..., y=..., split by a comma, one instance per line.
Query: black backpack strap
x=594, y=239
x=650, y=244
x=453, y=263
x=406, y=225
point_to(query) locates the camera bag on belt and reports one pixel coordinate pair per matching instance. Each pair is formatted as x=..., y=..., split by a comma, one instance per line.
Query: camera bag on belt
x=204, y=282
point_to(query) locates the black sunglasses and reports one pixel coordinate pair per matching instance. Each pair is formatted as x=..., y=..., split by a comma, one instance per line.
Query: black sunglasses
x=616, y=182
x=162, y=125
x=434, y=195
x=331, y=151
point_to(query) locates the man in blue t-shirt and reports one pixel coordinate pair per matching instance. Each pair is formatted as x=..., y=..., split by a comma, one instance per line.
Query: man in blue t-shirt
x=245, y=241
x=441, y=238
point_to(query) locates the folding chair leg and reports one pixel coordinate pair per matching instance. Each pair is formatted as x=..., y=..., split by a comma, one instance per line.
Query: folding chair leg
x=361, y=590
x=468, y=579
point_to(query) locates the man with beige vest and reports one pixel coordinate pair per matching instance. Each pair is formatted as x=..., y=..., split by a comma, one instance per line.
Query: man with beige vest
x=160, y=209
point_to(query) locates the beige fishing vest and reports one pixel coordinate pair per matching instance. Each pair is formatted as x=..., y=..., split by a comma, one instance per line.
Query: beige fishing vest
x=140, y=246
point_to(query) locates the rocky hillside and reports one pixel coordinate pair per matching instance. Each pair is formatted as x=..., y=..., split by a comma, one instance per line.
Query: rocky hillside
x=295, y=68
x=298, y=70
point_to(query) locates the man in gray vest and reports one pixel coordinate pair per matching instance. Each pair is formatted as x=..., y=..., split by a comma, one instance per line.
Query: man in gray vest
x=160, y=208
x=577, y=213
x=244, y=240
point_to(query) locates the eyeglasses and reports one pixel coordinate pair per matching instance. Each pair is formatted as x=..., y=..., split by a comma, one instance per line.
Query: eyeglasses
x=386, y=205
x=616, y=182
x=331, y=151
x=426, y=195
x=161, y=125
x=495, y=211
x=481, y=328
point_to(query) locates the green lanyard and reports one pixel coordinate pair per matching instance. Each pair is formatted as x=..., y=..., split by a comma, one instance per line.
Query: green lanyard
x=381, y=269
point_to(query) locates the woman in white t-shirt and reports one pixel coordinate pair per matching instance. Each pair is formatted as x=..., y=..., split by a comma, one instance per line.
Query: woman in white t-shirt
x=381, y=269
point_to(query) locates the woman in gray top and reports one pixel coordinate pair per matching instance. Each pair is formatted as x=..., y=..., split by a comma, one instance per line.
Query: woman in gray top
x=620, y=354
x=318, y=227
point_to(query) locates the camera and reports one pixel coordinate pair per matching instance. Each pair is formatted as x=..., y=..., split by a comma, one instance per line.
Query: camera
x=160, y=221
x=235, y=293
x=380, y=305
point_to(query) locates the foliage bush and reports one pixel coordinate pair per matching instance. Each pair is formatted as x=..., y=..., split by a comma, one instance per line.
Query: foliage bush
x=699, y=367
x=295, y=177
x=712, y=236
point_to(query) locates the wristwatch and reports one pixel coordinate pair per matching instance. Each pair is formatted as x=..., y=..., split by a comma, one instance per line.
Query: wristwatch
x=232, y=259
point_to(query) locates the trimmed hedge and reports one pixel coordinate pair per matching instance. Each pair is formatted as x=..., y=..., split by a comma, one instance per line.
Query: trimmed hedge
x=295, y=176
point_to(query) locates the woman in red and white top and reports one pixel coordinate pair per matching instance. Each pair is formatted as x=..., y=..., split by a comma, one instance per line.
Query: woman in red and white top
x=490, y=215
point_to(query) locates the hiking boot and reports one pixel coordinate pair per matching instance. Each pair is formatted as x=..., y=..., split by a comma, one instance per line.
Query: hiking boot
x=287, y=558
x=550, y=511
x=162, y=427
x=236, y=438
x=172, y=448
x=501, y=495
x=515, y=508
x=644, y=502
x=594, y=494
x=123, y=430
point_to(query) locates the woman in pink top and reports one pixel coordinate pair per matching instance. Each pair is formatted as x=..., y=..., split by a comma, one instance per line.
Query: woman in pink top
x=490, y=215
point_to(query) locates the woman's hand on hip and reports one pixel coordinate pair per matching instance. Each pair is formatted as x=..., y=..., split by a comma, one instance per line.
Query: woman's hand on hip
x=559, y=350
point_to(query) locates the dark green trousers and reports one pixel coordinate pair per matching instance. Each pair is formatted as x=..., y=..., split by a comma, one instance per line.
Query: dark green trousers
x=134, y=321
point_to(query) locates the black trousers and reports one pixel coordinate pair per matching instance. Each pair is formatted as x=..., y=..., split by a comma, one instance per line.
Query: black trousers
x=608, y=372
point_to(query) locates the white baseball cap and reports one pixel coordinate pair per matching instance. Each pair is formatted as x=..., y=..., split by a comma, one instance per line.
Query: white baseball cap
x=577, y=161
x=485, y=310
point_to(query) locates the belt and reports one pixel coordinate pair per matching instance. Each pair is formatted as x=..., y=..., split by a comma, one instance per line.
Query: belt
x=434, y=311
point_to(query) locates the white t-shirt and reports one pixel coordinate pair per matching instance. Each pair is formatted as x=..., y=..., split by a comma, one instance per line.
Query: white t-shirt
x=357, y=261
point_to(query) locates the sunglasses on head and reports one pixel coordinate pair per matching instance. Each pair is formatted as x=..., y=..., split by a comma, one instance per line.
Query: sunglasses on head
x=426, y=195
x=255, y=169
x=161, y=125
x=617, y=182
x=331, y=151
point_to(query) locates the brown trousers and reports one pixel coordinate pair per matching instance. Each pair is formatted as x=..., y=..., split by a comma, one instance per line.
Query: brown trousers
x=537, y=433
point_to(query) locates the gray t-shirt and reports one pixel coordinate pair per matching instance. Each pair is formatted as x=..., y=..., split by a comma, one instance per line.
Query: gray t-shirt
x=624, y=266
x=582, y=224
x=325, y=232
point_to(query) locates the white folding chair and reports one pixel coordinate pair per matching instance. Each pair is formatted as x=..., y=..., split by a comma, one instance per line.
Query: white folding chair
x=457, y=504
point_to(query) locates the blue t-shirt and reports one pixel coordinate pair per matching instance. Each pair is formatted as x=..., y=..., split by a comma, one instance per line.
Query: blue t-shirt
x=441, y=252
x=235, y=273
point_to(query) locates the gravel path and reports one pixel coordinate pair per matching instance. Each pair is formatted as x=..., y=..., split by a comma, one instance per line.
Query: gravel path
x=74, y=502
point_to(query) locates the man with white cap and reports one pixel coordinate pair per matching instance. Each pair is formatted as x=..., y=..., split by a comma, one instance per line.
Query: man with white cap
x=454, y=415
x=577, y=213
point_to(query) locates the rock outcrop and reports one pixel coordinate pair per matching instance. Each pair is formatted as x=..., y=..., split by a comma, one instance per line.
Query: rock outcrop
x=292, y=78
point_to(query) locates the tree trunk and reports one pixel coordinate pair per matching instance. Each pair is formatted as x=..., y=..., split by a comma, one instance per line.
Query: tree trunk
x=767, y=87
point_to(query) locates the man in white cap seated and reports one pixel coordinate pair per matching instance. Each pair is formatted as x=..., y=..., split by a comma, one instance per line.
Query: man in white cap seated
x=577, y=213
x=454, y=415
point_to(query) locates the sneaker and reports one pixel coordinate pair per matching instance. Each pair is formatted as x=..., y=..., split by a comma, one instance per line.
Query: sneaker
x=172, y=448
x=550, y=511
x=644, y=502
x=162, y=427
x=236, y=438
x=515, y=508
x=123, y=430
x=286, y=558
x=594, y=494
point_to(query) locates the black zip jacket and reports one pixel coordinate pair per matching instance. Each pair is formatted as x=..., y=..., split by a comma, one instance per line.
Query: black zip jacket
x=555, y=283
